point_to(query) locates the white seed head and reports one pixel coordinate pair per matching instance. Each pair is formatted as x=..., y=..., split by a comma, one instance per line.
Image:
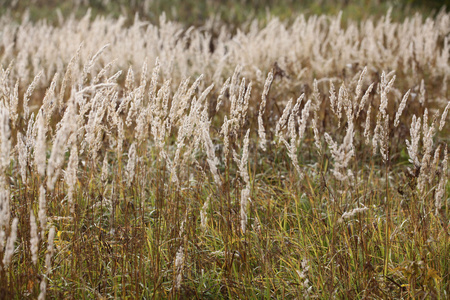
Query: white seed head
x=42, y=210
x=444, y=117
x=131, y=164
x=9, y=249
x=34, y=239
x=401, y=108
x=40, y=145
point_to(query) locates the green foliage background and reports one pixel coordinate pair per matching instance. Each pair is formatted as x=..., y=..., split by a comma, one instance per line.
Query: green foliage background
x=194, y=12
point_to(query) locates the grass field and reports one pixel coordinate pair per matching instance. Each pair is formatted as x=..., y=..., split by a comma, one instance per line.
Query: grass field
x=251, y=155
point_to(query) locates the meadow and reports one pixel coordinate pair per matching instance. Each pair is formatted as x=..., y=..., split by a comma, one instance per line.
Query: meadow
x=290, y=158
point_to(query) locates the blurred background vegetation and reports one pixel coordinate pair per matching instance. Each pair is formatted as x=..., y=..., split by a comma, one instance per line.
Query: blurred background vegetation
x=193, y=12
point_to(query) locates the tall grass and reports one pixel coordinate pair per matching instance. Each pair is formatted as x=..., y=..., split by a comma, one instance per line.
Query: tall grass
x=300, y=160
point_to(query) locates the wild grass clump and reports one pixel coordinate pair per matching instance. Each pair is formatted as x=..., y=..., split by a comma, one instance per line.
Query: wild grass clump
x=300, y=160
